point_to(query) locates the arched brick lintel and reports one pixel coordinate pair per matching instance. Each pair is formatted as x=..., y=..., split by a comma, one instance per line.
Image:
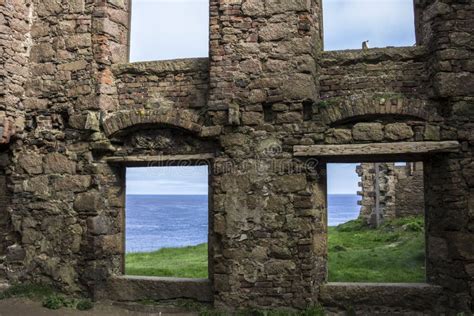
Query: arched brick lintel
x=346, y=111
x=128, y=119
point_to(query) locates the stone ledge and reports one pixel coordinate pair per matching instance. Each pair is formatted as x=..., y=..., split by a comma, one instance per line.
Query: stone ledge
x=373, y=55
x=132, y=288
x=416, y=296
x=165, y=66
x=203, y=158
x=376, y=149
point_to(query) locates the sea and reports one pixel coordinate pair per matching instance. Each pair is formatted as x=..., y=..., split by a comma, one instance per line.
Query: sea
x=167, y=221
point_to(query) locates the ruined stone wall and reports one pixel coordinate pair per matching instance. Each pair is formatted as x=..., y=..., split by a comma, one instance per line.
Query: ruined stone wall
x=409, y=191
x=401, y=191
x=386, y=73
x=15, y=43
x=182, y=84
x=262, y=71
x=268, y=227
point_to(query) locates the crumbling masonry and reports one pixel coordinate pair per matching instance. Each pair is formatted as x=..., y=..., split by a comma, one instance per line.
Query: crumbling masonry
x=398, y=192
x=267, y=110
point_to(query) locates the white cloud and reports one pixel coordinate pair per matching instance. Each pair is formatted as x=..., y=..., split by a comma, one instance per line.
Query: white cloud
x=168, y=180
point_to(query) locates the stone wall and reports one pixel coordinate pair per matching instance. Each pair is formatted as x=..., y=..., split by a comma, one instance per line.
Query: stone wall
x=182, y=84
x=401, y=191
x=265, y=89
x=15, y=43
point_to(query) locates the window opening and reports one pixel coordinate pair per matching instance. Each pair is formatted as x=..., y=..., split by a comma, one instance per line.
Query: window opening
x=350, y=23
x=376, y=222
x=166, y=222
x=169, y=29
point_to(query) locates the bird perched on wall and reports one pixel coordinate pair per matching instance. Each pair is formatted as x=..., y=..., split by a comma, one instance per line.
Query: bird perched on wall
x=365, y=45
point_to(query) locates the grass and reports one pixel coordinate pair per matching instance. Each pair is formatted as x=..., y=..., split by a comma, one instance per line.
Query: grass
x=393, y=253
x=311, y=311
x=188, y=262
x=50, y=298
x=30, y=291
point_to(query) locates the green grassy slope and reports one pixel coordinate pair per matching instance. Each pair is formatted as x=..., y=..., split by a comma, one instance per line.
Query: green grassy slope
x=393, y=253
x=188, y=262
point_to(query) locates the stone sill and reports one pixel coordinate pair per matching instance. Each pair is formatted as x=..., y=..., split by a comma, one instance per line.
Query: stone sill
x=373, y=55
x=416, y=296
x=161, y=67
x=135, y=288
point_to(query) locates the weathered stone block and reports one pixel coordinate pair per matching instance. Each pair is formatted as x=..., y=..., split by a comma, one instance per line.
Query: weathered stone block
x=42, y=53
x=49, y=7
x=450, y=84
x=78, y=41
x=398, y=131
x=280, y=6
x=304, y=202
x=432, y=132
x=86, y=121
x=274, y=32
x=253, y=8
x=211, y=131
x=110, y=244
x=88, y=202
x=368, y=131
x=72, y=183
x=58, y=163
x=37, y=185
x=338, y=136
x=299, y=87
x=31, y=162
x=15, y=253
x=252, y=118
x=100, y=225
x=290, y=183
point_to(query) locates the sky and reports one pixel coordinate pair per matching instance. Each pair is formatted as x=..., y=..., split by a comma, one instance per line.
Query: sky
x=170, y=29
x=167, y=181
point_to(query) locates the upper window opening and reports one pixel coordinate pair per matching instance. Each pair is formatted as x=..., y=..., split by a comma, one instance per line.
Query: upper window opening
x=169, y=29
x=349, y=23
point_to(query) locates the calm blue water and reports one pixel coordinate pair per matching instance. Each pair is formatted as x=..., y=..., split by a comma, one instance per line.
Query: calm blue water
x=342, y=208
x=162, y=221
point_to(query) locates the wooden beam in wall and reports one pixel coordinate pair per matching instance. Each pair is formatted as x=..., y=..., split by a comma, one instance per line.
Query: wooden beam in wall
x=377, y=149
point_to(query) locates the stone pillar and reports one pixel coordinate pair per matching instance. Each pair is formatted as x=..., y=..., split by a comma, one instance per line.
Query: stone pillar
x=263, y=69
x=110, y=39
x=448, y=34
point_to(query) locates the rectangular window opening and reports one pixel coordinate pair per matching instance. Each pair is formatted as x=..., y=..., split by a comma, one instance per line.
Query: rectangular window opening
x=169, y=29
x=166, y=222
x=350, y=23
x=376, y=219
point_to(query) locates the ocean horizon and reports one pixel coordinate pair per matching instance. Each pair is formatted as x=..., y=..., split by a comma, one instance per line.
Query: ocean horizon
x=168, y=221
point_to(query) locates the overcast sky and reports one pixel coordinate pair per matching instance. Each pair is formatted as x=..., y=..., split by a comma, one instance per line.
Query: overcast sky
x=168, y=180
x=169, y=29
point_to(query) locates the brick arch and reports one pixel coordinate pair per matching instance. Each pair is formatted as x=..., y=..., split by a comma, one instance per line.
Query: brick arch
x=127, y=119
x=352, y=110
